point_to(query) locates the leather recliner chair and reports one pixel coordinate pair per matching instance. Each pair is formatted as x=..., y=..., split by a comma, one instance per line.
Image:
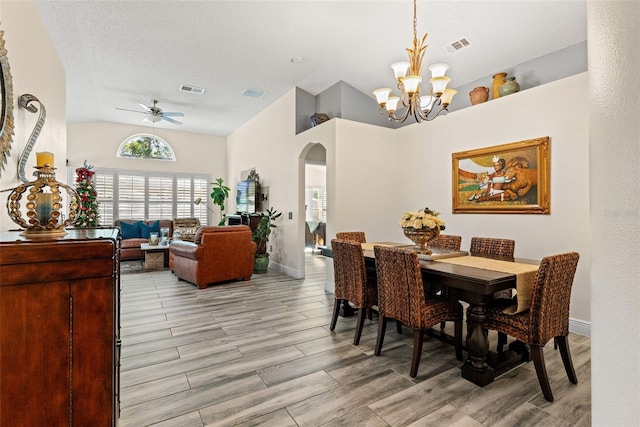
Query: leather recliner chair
x=217, y=254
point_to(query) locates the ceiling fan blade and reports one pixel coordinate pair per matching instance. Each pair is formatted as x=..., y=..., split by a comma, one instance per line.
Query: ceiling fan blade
x=147, y=109
x=171, y=120
x=133, y=111
x=173, y=114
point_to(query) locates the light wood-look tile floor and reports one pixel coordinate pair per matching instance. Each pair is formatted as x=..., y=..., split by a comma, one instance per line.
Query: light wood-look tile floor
x=261, y=353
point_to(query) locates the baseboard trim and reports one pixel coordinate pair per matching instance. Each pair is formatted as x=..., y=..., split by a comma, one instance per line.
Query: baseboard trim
x=580, y=327
x=296, y=274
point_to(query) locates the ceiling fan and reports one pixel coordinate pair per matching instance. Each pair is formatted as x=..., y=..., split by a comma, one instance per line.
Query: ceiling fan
x=155, y=114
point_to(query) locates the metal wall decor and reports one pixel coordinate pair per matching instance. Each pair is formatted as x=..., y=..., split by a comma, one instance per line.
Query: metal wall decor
x=25, y=102
x=6, y=105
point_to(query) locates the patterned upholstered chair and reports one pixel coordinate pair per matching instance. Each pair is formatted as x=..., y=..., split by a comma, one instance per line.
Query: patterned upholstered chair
x=401, y=296
x=446, y=241
x=547, y=318
x=353, y=236
x=351, y=285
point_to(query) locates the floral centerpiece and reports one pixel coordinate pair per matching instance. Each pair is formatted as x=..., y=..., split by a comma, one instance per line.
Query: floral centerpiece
x=421, y=227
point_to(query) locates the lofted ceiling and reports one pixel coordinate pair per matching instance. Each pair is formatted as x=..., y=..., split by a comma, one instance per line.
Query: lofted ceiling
x=120, y=53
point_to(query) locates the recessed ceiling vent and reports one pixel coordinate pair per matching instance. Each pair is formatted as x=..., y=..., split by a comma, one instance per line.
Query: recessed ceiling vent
x=457, y=45
x=253, y=93
x=192, y=89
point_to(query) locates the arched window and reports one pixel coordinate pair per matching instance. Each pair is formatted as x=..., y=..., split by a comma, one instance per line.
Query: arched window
x=145, y=146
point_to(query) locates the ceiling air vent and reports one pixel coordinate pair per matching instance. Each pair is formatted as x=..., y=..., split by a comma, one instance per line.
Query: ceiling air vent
x=253, y=93
x=457, y=45
x=192, y=89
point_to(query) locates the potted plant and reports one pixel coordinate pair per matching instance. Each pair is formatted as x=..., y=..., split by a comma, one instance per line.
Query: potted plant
x=261, y=237
x=219, y=194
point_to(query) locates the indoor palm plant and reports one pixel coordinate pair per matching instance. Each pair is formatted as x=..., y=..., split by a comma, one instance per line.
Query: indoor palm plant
x=261, y=237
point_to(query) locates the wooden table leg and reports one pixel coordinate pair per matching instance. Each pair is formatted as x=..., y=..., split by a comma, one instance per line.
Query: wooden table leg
x=475, y=368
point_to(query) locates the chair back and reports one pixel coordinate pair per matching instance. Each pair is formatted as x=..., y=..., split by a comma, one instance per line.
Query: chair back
x=349, y=273
x=488, y=246
x=353, y=236
x=551, y=294
x=446, y=241
x=400, y=288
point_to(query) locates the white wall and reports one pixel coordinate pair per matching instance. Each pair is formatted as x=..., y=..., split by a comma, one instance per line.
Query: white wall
x=98, y=142
x=614, y=129
x=374, y=174
x=36, y=70
x=267, y=142
x=537, y=112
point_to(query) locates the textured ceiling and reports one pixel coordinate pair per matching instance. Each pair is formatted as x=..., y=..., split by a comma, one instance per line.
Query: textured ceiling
x=121, y=53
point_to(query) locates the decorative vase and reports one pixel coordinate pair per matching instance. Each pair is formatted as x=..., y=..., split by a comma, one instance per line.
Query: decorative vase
x=510, y=86
x=422, y=236
x=498, y=80
x=261, y=263
x=479, y=95
x=318, y=118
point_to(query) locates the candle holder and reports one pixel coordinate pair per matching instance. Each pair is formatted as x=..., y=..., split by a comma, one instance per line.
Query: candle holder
x=43, y=204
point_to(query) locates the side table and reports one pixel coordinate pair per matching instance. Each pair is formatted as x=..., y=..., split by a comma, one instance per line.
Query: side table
x=155, y=256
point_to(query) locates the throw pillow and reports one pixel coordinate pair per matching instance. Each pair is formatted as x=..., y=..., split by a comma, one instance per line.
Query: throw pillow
x=130, y=231
x=146, y=230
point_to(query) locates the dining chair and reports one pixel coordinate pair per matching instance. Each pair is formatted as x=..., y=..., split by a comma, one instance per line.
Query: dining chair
x=547, y=318
x=402, y=297
x=351, y=285
x=353, y=236
x=446, y=241
x=496, y=248
x=492, y=247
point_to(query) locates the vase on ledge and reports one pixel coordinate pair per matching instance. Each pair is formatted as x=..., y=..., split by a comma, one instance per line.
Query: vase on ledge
x=498, y=80
x=422, y=236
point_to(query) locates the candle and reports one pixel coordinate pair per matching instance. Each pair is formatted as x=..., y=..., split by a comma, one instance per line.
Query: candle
x=44, y=207
x=44, y=157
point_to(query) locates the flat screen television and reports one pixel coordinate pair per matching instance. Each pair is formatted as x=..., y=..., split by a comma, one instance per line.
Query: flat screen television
x=246, y=196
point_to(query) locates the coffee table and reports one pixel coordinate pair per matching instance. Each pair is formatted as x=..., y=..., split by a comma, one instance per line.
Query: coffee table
x=155, y=256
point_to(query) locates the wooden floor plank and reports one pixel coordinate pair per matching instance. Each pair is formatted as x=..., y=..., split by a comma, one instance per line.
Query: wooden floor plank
x=260, y=353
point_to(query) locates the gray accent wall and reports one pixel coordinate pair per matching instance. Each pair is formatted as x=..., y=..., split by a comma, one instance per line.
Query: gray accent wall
x=344, y=101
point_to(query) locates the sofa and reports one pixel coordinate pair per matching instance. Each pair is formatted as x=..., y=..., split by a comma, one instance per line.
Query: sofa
x=217, y=254
x=135, y=232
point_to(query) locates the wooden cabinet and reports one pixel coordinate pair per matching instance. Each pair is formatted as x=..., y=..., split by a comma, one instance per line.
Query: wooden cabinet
x=59, y=329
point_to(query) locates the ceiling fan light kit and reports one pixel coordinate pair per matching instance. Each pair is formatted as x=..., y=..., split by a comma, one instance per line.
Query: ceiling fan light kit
x=155, y=114
x=408, y=77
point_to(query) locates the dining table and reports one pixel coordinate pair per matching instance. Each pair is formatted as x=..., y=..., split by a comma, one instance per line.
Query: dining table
x=474, y=281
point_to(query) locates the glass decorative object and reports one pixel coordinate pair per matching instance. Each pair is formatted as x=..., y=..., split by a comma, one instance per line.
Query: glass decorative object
x=36, y=206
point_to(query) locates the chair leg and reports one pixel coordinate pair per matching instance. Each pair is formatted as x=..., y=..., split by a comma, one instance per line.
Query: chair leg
x=418, y=339
x=502, y=340
x=382, y=327
x=361, y=316
x=541, y=370
x=457, y=336
x=399, y=327
x=370, y=313
x=336, y=310
x=442, y=325
x=563, y=345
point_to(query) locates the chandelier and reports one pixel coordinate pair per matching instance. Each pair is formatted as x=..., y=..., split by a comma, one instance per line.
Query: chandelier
x=408, y=75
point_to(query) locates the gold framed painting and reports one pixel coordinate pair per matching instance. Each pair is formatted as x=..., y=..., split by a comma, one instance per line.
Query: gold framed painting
x=510, y=178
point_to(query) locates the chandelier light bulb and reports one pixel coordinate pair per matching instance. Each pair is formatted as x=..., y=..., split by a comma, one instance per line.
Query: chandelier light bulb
x=439, y=84
x=400, y=69
x=447, y=96
x=438, y=70
x=382, y=95
x=392, y=103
